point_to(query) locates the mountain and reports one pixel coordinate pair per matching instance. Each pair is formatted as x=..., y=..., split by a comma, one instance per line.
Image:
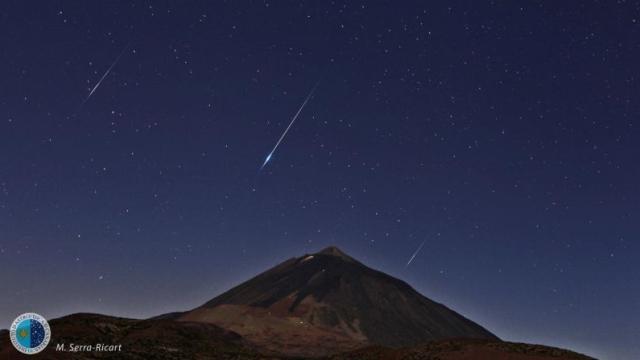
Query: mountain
x=325, y=306
x=328, y=302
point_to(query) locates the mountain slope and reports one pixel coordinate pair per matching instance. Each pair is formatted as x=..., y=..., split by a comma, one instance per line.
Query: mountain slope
x=171, y=340
x=140, y=340
x=328, y=302
x=463, y=349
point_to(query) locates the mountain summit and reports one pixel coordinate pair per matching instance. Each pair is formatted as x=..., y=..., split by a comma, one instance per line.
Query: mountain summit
x=334, y=251
x=328, y=302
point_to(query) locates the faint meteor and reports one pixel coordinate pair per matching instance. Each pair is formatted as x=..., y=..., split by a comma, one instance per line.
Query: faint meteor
x=415, y=254
x=95, y=87
x=268, y=158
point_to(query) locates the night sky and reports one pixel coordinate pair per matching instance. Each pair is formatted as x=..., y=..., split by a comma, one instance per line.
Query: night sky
x=503, y=135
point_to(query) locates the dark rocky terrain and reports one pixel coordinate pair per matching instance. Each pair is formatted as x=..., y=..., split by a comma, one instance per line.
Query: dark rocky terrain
x=463, y=349
x=324, y=305
x=140, y=339
x=170, y=340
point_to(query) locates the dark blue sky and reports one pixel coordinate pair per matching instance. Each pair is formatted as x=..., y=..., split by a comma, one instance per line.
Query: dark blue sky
x=502, y=134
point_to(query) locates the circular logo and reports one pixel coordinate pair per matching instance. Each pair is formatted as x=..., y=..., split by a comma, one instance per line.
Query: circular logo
x=30, y=333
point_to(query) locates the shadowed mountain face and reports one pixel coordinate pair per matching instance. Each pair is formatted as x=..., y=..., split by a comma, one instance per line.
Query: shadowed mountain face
x=328, y=302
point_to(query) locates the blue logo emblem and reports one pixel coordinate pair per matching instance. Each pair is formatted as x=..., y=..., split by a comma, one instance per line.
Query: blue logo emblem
x=30, y=333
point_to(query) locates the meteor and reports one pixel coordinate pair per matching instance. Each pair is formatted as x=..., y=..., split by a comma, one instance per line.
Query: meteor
x=268, y=158
x=95, y=87
x=415, y=254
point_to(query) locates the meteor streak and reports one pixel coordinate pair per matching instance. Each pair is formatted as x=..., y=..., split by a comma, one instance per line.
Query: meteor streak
x=268, y=158
x=415, y=254
x=95, y=87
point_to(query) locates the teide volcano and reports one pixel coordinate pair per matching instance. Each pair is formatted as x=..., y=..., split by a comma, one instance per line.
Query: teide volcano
x=327, y=302
x=325, y=305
